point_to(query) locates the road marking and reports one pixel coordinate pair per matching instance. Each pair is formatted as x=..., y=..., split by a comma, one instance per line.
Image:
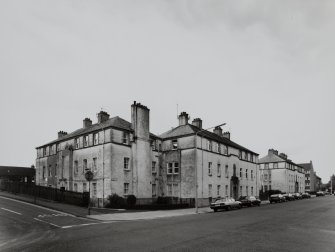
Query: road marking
x=85, y=224
x=47, y=222
x=11, y=211
x=45, y=208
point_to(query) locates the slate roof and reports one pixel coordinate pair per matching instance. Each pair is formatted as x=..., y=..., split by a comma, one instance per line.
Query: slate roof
x=190, y=129
x=16, y=171
x=307, y=166
x=271, y=158
x=115, y=122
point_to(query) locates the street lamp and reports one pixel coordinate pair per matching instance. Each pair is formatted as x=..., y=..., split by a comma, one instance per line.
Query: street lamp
x=195, y=162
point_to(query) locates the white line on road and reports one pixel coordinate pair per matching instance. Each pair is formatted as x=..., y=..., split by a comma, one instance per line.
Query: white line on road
x=47, y=222
x=23, y=202
x=11, y=211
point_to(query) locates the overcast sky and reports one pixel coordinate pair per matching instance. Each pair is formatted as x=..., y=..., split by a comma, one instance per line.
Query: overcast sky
x=266, y=68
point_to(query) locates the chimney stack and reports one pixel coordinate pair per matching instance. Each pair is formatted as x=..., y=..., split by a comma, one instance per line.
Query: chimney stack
x=283, y=155
x=103, y=116
x=218, y=131
x=61, y=134
x=272, y=151
x=183, y=118
x=87, y=122
x=197, y=122
x=226, y=134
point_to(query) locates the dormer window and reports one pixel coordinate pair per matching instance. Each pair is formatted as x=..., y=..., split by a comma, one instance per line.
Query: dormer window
x=85, y=141
x=96, y=138
x=76, y=143
x=125, y=137
x=174, y=144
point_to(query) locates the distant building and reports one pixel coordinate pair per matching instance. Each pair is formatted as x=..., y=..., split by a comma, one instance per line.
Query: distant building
x=280, y=173
x=310, y=177
x=15, y=173
x=318, y=183
x=127, y=159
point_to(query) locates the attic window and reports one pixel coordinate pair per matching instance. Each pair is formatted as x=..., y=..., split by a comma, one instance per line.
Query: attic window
x=174, y=144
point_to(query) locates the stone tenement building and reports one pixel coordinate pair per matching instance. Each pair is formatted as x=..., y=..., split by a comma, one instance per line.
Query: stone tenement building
x=310, y=177
x=280, y=173
x=127, y=159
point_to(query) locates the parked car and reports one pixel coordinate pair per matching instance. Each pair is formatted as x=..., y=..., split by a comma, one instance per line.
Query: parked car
x=289, y=196
x=297, y=195
x=227, y=204
x=249, y=201
x=320, y=193
x=305, y=196
x=276, y=198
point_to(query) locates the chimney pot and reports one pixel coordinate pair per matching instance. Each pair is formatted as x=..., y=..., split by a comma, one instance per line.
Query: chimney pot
x=103, y=116
x=183, y=118
x=226, y=135
x=197, y=122
x=218, y=131
x=87, y=122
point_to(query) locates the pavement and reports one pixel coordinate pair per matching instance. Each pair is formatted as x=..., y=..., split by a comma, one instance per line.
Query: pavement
x=106, y=214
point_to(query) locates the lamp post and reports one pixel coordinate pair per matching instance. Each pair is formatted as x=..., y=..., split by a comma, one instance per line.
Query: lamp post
x=195, y=162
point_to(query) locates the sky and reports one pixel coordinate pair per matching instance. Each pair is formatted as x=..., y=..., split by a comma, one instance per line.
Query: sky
x=266, y=68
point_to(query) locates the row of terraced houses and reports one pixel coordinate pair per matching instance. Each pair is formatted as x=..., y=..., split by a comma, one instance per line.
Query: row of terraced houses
x=184, y=162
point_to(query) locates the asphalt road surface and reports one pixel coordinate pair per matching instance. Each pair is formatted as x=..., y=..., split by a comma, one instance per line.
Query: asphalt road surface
x=302, y=225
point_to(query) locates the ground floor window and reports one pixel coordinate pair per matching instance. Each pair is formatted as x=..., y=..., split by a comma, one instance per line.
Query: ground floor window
x=172, y=190
x=94, y=189
x=75, y=187
x=84, y=187
x=126, y=188
x=226, y=191
x=154, y=190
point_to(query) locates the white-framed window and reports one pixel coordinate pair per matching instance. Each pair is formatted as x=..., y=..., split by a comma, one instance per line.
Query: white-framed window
x=169, y=168
x=153, y=167
x=94, y=164
x=219, y=170
x=49, y=171
x=75, y=167
x=94, y=189
x=126, y=163
x=154, y=190
x=125, y=137
x=210, y=168
x=96, y=138
x=86, y=141
x=241, y=173
x=126, y=188
x=247, y=190
x=226, y=191
x=209, y=145
x=246, y=173
x=174, y=144
x=75, y=187
x=210, y=190
x=169, y=189
x=76, y=143
x=226, y=171
x=252, y=175
x=252, y=191
x=218, y=190
x=84, y=165
x=176, y=168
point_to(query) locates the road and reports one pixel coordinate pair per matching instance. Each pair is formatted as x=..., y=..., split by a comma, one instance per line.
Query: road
x=302, y=225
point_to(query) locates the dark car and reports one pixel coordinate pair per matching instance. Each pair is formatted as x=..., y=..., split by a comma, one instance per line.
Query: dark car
x=305, y=196
x=297, y=195
x=276, y=198
x=255, y=201
x=320, y=194
x=289, y=196
x=245, y=201
x=227, y=204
